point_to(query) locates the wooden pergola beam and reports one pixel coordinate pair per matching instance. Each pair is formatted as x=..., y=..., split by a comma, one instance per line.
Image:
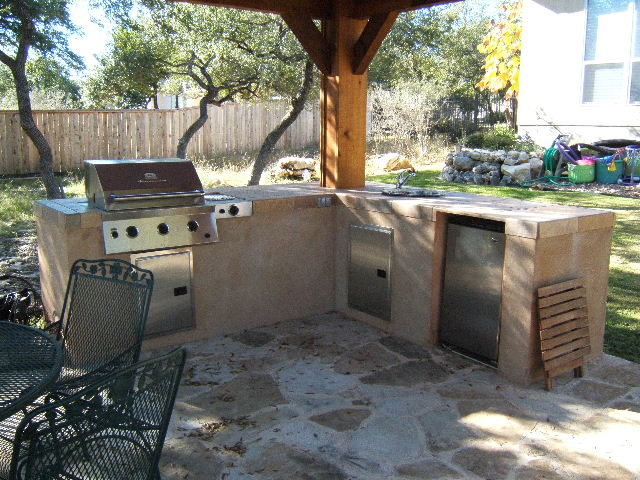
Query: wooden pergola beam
x=369, y=42
x=315, y=9
x=312, y=40
x=323, y=9
x=371, y=8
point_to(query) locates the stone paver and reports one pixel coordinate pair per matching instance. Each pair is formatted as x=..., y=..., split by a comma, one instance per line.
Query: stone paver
x=343, y=419
x=444, y=430
x=328, y=398
x=366, y=359
x=428, y=470
x=486, y=463
x=405, y=348
x=253, y=338
x=407, y=374
x=598, y=392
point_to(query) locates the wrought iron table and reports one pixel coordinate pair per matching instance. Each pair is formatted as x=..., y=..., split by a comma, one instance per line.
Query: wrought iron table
x=30, y=360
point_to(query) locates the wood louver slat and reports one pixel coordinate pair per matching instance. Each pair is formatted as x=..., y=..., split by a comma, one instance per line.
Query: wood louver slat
x=564, y=328
x=549, y=323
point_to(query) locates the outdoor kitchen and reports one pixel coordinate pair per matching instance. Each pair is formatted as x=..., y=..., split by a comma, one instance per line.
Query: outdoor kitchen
x=247, y=257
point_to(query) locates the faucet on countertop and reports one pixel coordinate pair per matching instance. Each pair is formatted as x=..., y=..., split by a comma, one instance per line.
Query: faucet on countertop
x=404, y=176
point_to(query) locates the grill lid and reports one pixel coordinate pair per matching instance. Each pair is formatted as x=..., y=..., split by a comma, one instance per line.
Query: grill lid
x=127, y=184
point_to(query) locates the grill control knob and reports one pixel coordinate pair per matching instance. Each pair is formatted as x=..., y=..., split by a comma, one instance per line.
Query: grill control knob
x=163, y=229
x=234, y=210
x=114, y=233
x=132, y=231
x=192, y=225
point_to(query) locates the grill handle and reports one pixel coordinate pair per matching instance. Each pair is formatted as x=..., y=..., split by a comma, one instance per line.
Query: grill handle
x=154, y=196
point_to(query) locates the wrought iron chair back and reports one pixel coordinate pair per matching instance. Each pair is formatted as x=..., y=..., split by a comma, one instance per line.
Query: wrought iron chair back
x=104, y=315
x=111, y=430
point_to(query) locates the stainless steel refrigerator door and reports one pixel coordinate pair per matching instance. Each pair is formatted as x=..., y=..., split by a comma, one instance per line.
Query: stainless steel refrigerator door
x=470, y=308
x=369, y=288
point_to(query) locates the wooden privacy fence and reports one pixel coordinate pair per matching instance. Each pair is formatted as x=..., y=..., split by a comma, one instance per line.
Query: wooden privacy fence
x=77, y=135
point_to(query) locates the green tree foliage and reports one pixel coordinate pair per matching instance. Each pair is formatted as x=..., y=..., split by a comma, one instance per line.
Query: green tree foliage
x=436, y=46
x=411, y=50
x=223, y=54
x=131, y=72
x=41, y=26
x=502, y=45
x=50, y=83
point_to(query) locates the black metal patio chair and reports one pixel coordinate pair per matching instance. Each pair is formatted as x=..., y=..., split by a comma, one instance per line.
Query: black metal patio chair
x=102, y=322
x=101, y=328
x=111, y=430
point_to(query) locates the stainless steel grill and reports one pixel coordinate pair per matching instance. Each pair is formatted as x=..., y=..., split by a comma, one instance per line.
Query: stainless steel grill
x=151, y=204
x=156, y=210
x=131, y=184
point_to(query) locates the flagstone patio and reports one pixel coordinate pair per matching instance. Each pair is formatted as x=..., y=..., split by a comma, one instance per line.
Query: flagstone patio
x=330, y=398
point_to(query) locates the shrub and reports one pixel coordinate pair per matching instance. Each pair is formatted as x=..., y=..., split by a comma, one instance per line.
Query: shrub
x=500, y=137
x=499, y=141
x=474, y=140
x=404, y=115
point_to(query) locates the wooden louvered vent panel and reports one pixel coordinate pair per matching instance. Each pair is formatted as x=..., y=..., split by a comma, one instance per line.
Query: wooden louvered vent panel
x=564, y=328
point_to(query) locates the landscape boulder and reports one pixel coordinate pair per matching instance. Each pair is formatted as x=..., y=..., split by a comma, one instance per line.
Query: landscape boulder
x=296, y=168
x=462, y=161
x=390, y=162
x=536, y=167
x=519, y=173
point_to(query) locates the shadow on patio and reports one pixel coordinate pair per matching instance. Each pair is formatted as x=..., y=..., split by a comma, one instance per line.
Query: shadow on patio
x=330, y=398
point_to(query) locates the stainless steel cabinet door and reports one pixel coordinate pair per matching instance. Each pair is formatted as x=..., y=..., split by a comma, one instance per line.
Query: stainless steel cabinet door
x=171, y=306
x=370, y=269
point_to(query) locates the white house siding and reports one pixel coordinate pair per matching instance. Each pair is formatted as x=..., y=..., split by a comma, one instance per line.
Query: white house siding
x=550, y=99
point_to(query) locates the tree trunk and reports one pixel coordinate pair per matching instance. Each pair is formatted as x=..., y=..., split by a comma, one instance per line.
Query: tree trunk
x=297, y=104
x=183, y=143
x=514, y=113
x=52, y=187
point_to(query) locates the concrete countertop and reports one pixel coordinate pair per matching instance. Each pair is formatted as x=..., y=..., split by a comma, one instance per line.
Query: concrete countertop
x=522, y=218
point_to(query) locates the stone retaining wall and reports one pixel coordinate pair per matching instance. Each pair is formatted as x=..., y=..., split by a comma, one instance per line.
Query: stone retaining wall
x=491, y=167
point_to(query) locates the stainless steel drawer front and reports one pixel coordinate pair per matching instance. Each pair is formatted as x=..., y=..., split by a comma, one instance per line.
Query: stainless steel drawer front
x=369, y=288
x=172, y=303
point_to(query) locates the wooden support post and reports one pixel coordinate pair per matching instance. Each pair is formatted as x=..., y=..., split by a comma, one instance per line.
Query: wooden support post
x=343, y=106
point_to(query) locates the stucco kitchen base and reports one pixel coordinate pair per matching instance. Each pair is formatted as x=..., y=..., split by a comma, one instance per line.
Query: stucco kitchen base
x=290, y=260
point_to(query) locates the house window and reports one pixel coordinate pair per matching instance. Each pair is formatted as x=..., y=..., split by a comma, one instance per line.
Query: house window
x=612, y=52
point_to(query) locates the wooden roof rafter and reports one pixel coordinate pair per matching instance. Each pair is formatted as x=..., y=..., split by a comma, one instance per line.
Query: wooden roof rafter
x=321, y=51
x=371, y=39
x=312, y=39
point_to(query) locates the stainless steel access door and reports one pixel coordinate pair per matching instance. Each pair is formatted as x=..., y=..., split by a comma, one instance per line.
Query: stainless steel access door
x=472, y=294
x=369, y=288
x=171, y=306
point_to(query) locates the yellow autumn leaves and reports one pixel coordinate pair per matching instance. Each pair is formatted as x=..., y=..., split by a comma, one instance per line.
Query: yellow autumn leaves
x=502, y=48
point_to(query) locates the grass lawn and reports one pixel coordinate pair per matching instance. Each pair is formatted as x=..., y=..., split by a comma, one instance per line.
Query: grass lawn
x=622, y=334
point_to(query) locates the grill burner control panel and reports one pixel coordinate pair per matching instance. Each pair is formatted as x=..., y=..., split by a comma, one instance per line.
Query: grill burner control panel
x=227, y=206
x=135, y=233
